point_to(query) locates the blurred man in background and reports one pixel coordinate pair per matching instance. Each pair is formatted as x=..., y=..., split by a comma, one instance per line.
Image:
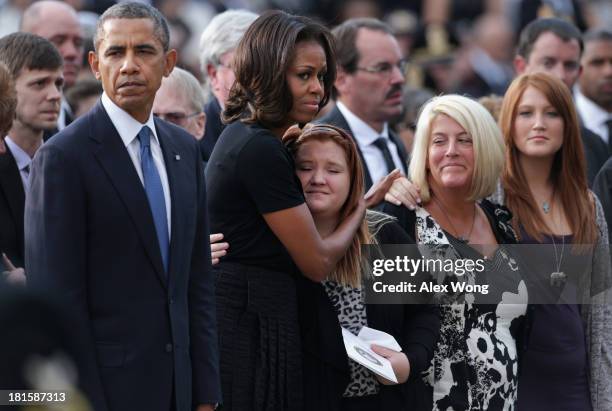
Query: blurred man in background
x=58, y=22
x=180, y=100
x=369, y=94
x=217, y=45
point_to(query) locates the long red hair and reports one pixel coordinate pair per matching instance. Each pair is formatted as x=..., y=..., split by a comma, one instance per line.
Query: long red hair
x=568, y=171
x=348, y=269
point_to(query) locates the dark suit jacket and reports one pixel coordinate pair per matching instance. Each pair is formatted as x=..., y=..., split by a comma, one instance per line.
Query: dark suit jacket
x=147, y=338
x=12, y=200
x=336, y=118
x=214, y=127
x=595, y=152
x=50, y=133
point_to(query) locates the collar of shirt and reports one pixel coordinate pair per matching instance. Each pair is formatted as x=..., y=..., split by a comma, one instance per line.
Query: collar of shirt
x=126, y=125
x=64, y=108
x=363, y=133
x=22, y=158
x=592, y=115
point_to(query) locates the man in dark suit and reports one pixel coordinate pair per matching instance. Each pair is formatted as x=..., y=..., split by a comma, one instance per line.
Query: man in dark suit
x=116, y=228
x=369, y=94
x=554, y=46
x=594, y=92
x=217, y=44
x=36, y=68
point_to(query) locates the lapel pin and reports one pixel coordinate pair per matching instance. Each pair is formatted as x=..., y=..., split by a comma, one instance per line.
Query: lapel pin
x=177, y=157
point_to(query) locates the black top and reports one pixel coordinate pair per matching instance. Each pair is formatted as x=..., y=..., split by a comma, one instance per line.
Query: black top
x=554, y=363
x=250, y=173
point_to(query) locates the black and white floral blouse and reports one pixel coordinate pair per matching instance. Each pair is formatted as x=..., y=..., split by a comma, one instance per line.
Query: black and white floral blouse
x=475, y=364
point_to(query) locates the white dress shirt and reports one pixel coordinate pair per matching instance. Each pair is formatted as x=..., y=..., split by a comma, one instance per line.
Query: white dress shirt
x=61, y=119
x=128, y=128
x=593, y=117
x=365, y=137
x=23, y=161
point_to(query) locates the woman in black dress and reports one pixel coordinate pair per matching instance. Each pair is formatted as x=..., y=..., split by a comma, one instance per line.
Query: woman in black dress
x=285, y=68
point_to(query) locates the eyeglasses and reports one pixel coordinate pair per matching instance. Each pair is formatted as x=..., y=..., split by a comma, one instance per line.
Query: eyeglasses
x=180, y=119
x=385, y=68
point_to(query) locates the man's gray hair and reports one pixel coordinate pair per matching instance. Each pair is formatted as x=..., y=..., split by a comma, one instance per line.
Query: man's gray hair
x=133, y=10
x=222, y=35
x=185, y=83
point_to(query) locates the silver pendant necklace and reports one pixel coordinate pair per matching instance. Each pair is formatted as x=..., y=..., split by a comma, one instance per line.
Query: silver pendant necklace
x=547, y=205
x=558, y=277
x=459, y=237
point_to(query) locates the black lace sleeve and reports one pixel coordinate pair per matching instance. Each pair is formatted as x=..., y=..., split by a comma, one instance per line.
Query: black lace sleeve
x=500, y=219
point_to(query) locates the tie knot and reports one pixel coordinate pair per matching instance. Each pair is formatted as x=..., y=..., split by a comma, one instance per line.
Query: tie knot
x=144, y=136
x=380, y=142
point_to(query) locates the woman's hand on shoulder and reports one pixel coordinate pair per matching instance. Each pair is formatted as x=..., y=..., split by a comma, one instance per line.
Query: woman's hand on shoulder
x=403, y=191
x=378, y=192
x=399, y=363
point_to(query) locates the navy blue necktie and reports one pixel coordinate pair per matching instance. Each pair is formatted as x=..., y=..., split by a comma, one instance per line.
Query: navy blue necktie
x=381, y=144
x=155, y=193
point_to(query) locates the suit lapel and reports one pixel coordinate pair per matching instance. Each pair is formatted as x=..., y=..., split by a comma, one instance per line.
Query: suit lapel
x=401, y=150
x=116, y=162
x=11, y=184
x=336, y=118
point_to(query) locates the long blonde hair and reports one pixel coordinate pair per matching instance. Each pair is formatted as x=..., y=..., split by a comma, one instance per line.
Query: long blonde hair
x=487, y=139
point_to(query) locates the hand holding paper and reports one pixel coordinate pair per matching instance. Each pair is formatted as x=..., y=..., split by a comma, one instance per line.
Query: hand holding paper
x=386, y=360
x=399, y=363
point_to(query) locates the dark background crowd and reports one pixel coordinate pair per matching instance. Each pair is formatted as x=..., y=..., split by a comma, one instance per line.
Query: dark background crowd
x=438, y=37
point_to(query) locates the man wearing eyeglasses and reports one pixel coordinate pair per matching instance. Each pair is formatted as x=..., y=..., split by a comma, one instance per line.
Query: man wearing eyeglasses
x=368, y=92
x=180, y=101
